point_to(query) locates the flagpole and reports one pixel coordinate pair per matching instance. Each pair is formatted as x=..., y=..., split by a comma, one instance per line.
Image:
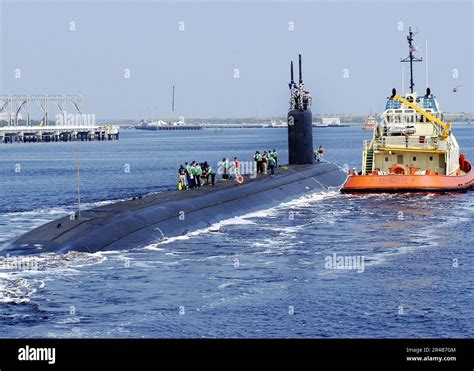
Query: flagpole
x=411, y=58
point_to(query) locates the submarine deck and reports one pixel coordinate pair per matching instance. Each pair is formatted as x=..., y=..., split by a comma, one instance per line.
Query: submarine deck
x=175, y=195
x=61, y=232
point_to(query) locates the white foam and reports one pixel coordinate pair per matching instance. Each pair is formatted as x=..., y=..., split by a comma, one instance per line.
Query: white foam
x=244, y=219
x=17, y=290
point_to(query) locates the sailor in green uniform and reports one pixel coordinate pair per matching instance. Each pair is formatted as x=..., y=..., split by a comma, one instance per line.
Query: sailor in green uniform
x=258, y=158
x=271, y=165
x=198, y=174
x=212, y=172
x=187, y=168
x=192, y=174
x=225, y=167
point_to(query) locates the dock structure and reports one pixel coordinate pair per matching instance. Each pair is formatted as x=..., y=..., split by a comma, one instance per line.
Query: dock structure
x=17, y=112
x=35, y=134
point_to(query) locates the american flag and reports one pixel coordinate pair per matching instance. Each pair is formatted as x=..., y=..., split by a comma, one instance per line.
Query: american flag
x=413, y=48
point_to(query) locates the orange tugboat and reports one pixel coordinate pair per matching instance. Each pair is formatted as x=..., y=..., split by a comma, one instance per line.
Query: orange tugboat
x=412, y=149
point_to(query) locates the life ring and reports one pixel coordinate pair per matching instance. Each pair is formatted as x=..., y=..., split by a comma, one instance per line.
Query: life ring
x=398, y=169
x=239, y=179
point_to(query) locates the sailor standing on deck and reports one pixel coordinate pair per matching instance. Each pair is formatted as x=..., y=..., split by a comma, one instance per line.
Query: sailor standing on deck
x=265, y=162
x=255, y=158
x=182, y=178
x=198, y=174
x=192, y=178
x=236, y=166
x=320, y=153
x=212, y=172
x=205, y=172
x=275, y=156
x=258, y=159
x=271, y=165
x=188, y=174
x=194, y=174
x=225, y=167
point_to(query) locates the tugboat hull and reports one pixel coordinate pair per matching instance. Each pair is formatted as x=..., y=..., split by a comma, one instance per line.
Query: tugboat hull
x=395, y=183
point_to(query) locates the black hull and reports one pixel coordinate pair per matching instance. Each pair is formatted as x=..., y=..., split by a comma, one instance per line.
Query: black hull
x=136, y=223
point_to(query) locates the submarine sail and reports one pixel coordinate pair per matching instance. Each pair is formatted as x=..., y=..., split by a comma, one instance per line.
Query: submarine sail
x=300, y=122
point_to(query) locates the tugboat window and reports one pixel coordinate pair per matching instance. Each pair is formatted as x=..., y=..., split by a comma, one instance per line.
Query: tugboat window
x=414, y=158
x=386, y=159
x=431, y=158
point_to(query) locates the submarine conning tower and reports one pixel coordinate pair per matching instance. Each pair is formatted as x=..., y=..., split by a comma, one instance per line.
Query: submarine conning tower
x=300, y=122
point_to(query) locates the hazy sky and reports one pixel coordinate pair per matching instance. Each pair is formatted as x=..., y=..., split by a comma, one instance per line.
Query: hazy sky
x=351, y=54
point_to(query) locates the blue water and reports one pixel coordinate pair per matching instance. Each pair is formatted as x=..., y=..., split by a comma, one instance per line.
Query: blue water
x=261, y=275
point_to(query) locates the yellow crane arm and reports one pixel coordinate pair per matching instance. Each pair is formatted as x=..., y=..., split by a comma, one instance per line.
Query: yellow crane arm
x=432, y=119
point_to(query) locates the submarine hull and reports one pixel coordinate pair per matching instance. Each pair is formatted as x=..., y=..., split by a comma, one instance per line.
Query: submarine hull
x=139, y=222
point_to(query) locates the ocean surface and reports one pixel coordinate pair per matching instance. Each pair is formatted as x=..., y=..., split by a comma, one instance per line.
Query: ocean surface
x=263, y=274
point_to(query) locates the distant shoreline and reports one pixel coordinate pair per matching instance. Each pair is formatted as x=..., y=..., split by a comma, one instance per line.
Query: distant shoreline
x=350, y=119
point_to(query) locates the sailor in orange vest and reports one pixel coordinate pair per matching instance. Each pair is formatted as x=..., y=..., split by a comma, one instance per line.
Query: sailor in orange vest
x=320, y=153
x=236, y=166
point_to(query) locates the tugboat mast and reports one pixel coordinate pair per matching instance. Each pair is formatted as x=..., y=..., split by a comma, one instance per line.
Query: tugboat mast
x=411, y=58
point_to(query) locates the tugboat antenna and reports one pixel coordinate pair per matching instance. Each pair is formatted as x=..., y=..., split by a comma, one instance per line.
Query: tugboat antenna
x=411, y=58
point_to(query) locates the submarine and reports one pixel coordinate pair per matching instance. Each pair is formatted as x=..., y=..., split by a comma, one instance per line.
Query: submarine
x=147, y=219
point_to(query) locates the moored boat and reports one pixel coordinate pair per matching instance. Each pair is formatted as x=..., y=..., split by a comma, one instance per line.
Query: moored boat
x=370, y=124
x=412, y=149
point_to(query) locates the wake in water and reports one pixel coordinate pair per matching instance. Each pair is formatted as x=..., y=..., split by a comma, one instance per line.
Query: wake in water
x=18, y=286
x=246, y=219
x=18, y=275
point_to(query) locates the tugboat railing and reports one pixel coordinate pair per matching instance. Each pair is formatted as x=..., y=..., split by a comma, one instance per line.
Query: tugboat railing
x=364, y=156
x=427, y=143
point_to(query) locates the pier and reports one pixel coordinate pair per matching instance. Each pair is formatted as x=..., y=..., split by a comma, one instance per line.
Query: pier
x=34, y=134
x=18, y=111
